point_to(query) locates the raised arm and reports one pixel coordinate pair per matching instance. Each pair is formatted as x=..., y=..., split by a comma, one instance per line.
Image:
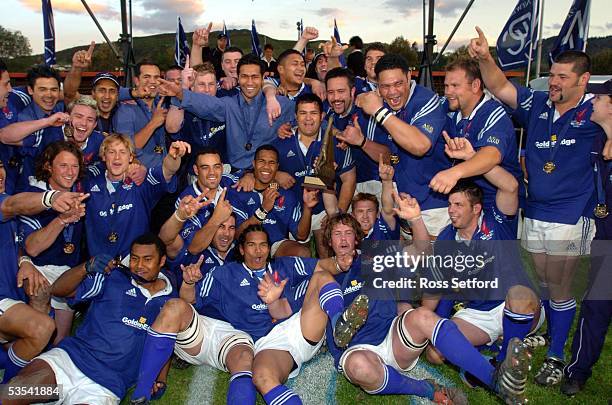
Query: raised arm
x=172, y=161
x=494, y=79
x=169, y=232
x=81, y=60
x=386, y=173
x=309, y=34
x=35, y=203
x=198, y=42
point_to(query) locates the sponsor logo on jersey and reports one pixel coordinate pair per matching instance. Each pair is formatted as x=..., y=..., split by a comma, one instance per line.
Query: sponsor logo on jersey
x=209, y=260
x=547, y=144
x=138, y=324
x=259, y=307
x=244, y=282
x=544, y=115
x=290, y=154
x=251, y=201
x=95, y=188
x=131, y=292
x=428, y=128
x=355, y=286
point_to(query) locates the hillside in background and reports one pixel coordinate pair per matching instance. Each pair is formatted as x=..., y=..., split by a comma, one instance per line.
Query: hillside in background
x=160, y=48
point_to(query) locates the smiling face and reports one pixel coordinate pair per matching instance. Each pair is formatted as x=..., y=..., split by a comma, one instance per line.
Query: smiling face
x=265, y=166
x=370, y=62
x=250, y=81
x=602, y=109
x=463, y=214
x=117, y=157
x=147, y=81
x=565, y=85
x=145, y=261
x=46, y=93
x=394, y=87
x=255, y=250
x=106, y=94
x=83, y=120
x=5, y=88
x=224, y=236
x=365, y=213
x=209, y=170
x=292, y=71
x=205, y=83
x=174, y=76
x=340, y=95
x=308, y=118
x=461, y=93
x=321, y=67
x=64, y=171
x=229, y=64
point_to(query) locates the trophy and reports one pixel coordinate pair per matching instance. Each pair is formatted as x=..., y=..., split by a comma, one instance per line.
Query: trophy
x=324, y=172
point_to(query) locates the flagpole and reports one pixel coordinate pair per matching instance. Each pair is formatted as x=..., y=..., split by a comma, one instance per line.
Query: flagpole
x=532, y=33
x=586, y=30
x=540, y=26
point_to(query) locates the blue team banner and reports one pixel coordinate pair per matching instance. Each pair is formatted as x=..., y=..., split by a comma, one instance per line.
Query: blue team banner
x=575, y=30
x=49, y=32
x=519, y=36
x=255, y=48
x=227, y=35
x=181, y=46
x=337, y=37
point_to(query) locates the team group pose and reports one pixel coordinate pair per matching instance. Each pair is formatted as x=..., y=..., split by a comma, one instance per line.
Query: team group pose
x=199, y=219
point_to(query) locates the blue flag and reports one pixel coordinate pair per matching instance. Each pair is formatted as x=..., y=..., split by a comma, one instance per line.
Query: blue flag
x=575, y=30
x=519, y=36
x=337, y=36
x=255, y=48
x=181, y=46
x=49, y=31
x=226, y=33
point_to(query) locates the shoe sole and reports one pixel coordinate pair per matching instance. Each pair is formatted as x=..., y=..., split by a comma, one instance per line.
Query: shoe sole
x=515, y=369
x=355, y=317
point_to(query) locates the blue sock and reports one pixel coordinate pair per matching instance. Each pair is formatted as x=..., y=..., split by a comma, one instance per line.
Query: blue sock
x=241, y=389
x=158, y=348
x=444, y=308
x=282, y=395
x=546, y=305
x=13, y=365
x=3, y=358
x=561, y=318
x=447, y=338
x=397, y=383
x=331, y=301
x=515, y=325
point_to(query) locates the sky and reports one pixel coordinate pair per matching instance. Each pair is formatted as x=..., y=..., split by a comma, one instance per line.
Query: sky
x=373, y=20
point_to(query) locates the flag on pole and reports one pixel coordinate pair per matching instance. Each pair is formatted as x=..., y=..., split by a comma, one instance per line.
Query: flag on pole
x=226, y=33
x=519, y=34
x=255, y=48
x=575, y=30
x=337, y=36
x=181, y=46
x=49, y=31
x=300, y=32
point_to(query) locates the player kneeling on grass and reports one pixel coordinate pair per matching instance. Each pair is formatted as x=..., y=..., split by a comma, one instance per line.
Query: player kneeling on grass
x=240, y=325
x=100, y=362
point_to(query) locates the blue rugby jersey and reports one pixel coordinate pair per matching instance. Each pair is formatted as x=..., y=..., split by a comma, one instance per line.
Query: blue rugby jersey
x=304, y=88
x=280, y=221
x=9, y=155
x=132, y=117
x=107, y=346
x=382, y=231
x=9, y=253
x=229, y=292
x=363, y=85
x=567, y=193
x=201, y=133
x=487, y=125
x=413, y=173
x=124, y=209
x=91, y=149
x=35, y=143
x=380, y=315
x=54, y=254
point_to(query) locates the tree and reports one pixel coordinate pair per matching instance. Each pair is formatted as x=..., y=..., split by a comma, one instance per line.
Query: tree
x=601, y=62
x=403, y=47
x=13, y=44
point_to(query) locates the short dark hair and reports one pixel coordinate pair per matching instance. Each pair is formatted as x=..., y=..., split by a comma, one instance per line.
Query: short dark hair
x=207, y=150
x=268, y=46
x=242, y=239
x=341, y=72
x=469, y=66
x=365, y=197
x=232, y=49
x=145, y=62
x=472, y=191
x=174, y=67
x=580, y=60
x=150, y=238
x=286, y=53
x=376, y=46
x=391, y=61
x=346, y=219
x=356, y=42
x=42, y=71
x=250, y=59
x=308, y=98
x=266, y=147
x=3, y=67
x=50, y=153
